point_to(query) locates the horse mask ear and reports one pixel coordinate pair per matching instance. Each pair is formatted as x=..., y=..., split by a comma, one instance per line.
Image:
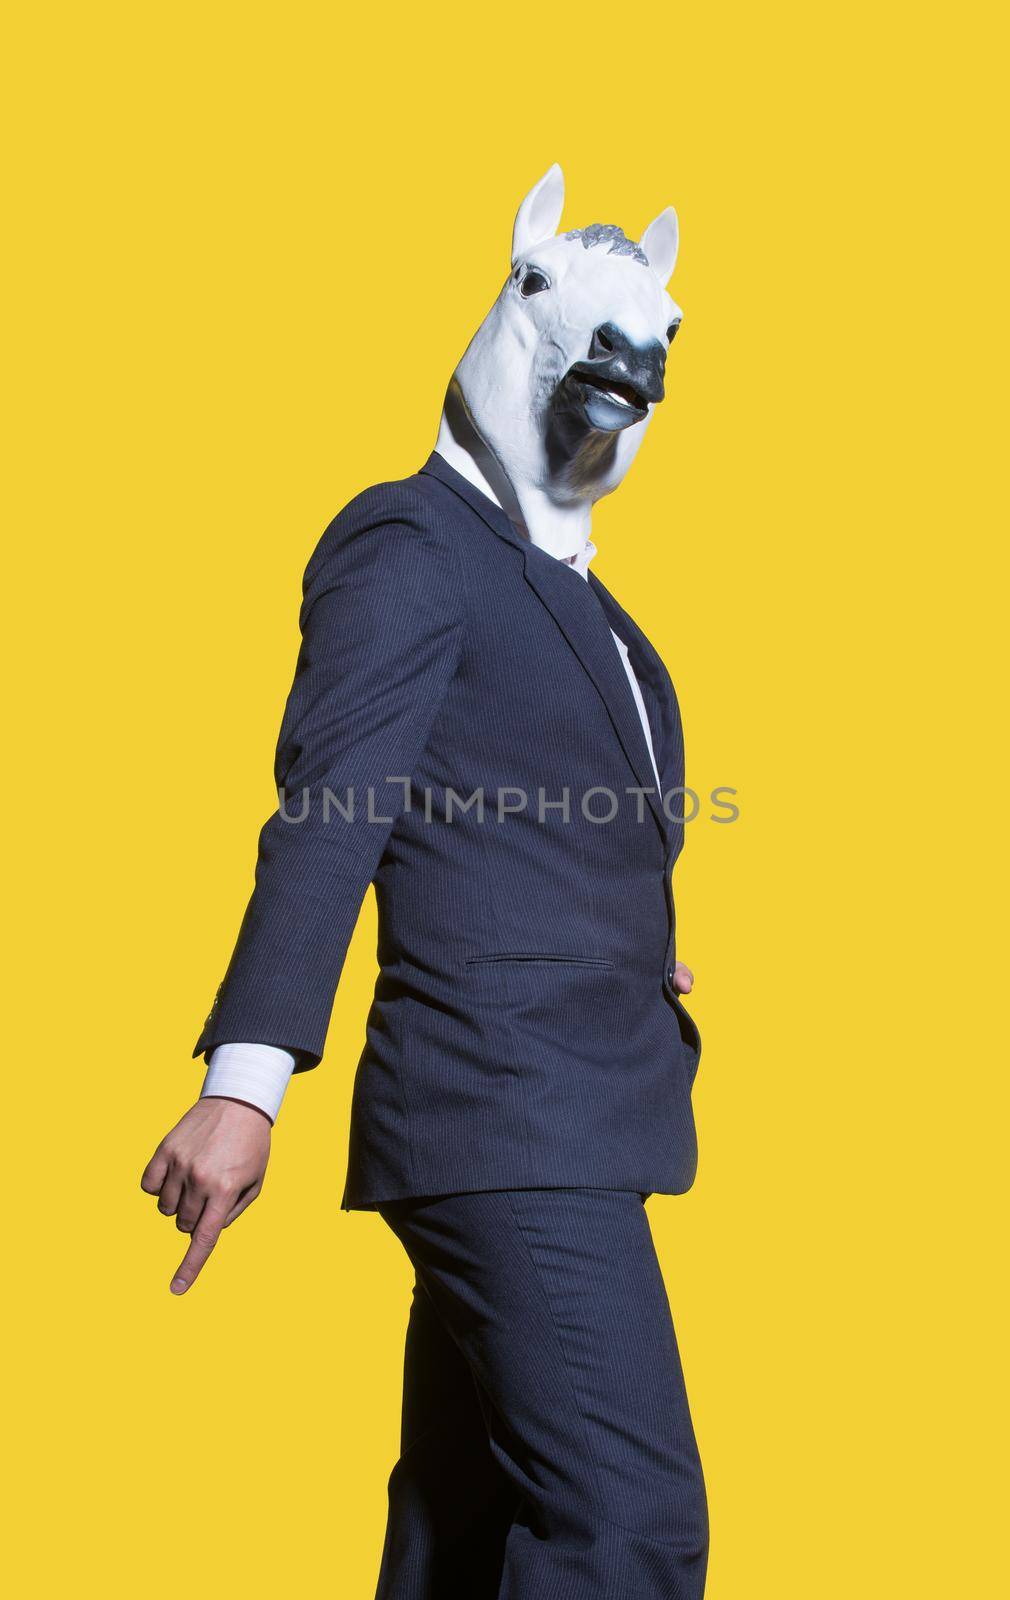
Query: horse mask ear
x=540, y=213
x=659, y=241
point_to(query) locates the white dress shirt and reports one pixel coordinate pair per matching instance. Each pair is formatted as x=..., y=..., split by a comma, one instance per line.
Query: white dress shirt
x=260, y=1073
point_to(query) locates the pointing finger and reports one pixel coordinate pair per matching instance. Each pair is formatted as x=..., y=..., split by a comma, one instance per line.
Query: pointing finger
x=205, y=1237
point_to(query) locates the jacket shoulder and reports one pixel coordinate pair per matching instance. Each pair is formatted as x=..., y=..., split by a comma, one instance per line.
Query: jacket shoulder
x=392, y=526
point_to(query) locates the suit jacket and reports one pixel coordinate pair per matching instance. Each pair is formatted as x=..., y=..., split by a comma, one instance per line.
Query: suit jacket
x=524, y=1030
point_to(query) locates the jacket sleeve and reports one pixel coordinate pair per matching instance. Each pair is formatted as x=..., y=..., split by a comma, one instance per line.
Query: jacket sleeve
x=382, y=623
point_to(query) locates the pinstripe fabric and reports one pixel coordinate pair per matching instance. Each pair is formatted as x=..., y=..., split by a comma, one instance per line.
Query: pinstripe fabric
x=524, y=1029
x=547, y=1446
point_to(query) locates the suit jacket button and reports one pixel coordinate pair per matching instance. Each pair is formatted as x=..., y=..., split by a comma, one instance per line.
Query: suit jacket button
x=670, y=976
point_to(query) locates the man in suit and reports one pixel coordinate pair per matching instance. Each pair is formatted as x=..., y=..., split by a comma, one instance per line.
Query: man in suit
x=478, y=729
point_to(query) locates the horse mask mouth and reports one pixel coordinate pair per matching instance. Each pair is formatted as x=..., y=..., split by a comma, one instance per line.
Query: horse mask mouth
x=612, y=390
x=606, y=401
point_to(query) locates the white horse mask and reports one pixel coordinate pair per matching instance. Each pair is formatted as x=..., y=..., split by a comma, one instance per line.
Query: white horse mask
x=556, y=388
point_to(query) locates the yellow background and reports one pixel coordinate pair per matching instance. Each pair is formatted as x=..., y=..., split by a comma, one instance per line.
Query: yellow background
x=248, y=245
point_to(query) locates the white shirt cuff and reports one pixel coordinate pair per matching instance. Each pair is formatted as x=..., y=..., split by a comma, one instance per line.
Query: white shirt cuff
x=259, y=1073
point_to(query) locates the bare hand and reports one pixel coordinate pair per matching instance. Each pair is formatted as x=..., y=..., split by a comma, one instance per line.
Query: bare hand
x=206, y=1171
x=683, y=978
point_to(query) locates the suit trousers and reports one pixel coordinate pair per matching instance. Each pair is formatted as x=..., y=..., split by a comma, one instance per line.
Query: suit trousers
x=547, y=1449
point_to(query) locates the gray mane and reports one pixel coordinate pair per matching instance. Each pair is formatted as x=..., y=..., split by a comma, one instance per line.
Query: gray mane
x=609, y=233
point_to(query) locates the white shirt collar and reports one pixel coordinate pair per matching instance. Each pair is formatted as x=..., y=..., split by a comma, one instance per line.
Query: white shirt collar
x=579, y=559
x=582, y=557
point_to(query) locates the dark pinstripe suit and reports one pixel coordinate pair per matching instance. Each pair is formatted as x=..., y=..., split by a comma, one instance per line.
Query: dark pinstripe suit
x=524, y=1030
x=526, y=1059
x=547, y=1446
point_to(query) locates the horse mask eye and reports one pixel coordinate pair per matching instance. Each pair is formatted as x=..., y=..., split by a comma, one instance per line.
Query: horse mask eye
x=533, y=282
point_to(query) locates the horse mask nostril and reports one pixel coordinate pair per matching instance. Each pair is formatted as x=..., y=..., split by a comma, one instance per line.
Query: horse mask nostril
x=615, y=357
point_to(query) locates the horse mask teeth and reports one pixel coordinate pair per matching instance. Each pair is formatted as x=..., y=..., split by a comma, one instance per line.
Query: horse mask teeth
x=563, y=375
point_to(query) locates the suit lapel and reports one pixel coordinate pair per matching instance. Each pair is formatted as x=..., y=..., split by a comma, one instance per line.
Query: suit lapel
x=580, y=616
x=581, y=613
x=659, y=693
x=437, y=467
